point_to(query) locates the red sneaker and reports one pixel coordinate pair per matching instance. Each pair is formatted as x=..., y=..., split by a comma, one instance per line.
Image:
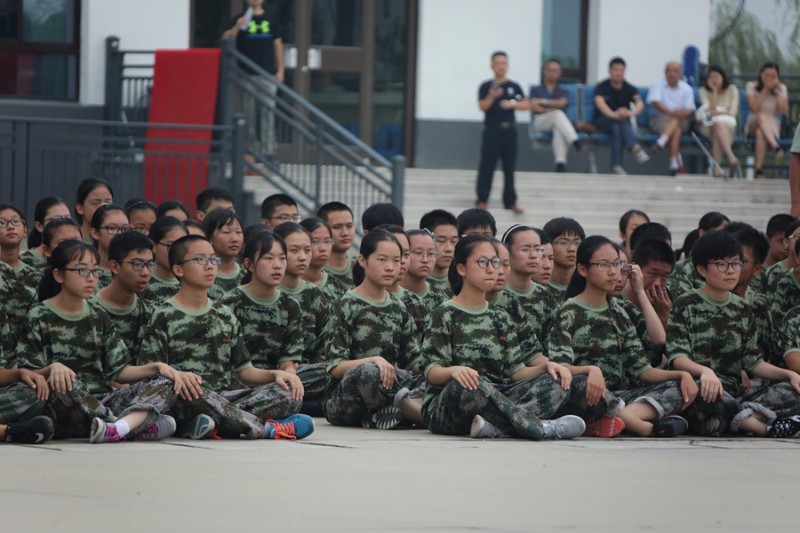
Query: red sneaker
x=604, y=427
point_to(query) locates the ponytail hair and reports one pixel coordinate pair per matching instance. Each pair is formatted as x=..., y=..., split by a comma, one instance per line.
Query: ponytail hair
x=39, y=214
x=66, y=252
x=583, y=257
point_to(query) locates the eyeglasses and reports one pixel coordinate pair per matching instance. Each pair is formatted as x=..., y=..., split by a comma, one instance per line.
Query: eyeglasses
x=566, y=243
x=421, y=256
x=87, y=272
x=484, y=262
x=16, y=222
x=138, y=266
x=113, y=229
x=723, y=266
x=606, y=266
x=287, y=218
x=202, y=261
x=322, y=242
x=531, y=250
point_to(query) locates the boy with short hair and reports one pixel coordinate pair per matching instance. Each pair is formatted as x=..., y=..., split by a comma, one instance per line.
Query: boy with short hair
x=776, y=233
x=205, y=339
x=786, y=288
x=651, y=231
x=132, y=264
x=340, y=219
x=444, y=227
x=710, y=335
x=475, y=221
x=381, y=214
x=775, y=272
x=566, y=235
x=277, y=209
x=213, y=198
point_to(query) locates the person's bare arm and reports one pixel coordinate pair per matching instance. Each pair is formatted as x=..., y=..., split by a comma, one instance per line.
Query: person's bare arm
x=231, y=32
x=280, y=73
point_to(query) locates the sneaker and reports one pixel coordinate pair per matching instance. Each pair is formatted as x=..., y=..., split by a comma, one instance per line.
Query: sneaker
x=385, y=418
x=618, y=170
x=291, y=427
x=164, y=427
x=670, y=426
x=200, y=427
x=641, y=156
x=680, y=171
x=103, y=432
x=566, y=427
x=561, y=167
x=37, y=430
x=784, y=428
x=483, y=429
x=605, y=427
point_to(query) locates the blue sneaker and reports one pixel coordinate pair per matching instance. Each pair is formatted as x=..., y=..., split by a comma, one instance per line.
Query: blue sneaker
x=200, y=427
x=291, y=427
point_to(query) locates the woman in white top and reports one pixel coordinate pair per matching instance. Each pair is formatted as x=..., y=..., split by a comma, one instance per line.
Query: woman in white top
x=768, y=99
x=720, y=105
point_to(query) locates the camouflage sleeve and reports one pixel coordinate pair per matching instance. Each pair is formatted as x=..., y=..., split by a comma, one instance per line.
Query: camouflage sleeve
x=751, y=353
x=240, y=357
x=30, y=351
x=437, y=349
x=155, y=341
x=338, y=336
x=294, y=336
x=679, y=336
x=515, y=359
x=789, y=333
x=636, y=361
x=529, y=344
x=559, y=343
x=115, y=353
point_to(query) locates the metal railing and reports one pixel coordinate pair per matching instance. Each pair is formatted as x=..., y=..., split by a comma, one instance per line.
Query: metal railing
x=44, y=157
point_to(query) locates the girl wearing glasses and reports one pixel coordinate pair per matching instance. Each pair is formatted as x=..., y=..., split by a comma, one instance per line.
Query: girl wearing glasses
x=13, y=230
x=711, y=335
x=107, y=221
x=371, y=345
x=321, y=247
x=478, y=382
x=163, y=284
x=600, y=346
x=75, y=347
x=46, y=210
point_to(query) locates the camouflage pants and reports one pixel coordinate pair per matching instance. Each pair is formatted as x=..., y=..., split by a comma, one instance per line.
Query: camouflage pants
x=780, y=398
x=666, y=398
x=514, y=409
x=18, y=402
x=240, y=413
x=315, y=379
x=360, y=391
x=72, y=412
x=609, y=405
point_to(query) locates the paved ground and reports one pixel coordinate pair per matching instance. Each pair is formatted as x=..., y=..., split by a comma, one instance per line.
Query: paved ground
x=408, y=480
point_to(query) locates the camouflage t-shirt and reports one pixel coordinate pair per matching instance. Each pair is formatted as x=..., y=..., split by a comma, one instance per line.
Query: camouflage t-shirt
x=441, y=285
x=228, y=282
x=359, y=328
x=538, y=302
x=584, y=334
x=524, y=324
x=34, y=259
x=766, y=327
x=420, y=307
x=105, y=279
x=345, y=275
x=785, y=294
x=28, y=275
x=16, y=297
x=718, y=335
x=654, y=352
x=558, y=291
x=772, y=274
x=160, y=289
x=315, y=308
x=130, y=322
x=85, y=343
x=207, y=342
x=273, y=329
x=332, y=287
x=684, y=278
x=789, y=333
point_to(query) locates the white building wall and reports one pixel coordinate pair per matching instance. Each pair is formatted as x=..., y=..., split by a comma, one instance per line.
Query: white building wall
x=646, y=33
x=456, y=40
x=140, y=24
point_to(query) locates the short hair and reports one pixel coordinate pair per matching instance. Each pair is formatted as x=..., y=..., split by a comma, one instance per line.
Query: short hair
x=649, y=231
x=179, y=249
x=777, y=224
x=715, y=245
x=332, y=207
x=140, y=204
x=558, y=226
x=791, y=228
x=498, y=53
x=210, y=194
x=437, y=217
x=381, y=213
x=218, y=219
x=616, y=60
x=543, y=236
x=650, y=250
x=188, y=223
x=750, y=237
x=170, y=205
x=274, y=201
x=688, y=243
x=712, y=220
x=475, y=218
x=164, y=225
x=124, y=243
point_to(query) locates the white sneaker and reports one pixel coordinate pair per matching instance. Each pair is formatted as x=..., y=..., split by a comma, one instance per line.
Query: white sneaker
x=566, y=427
x=641, y=156
x=618, y=170
x=483, y=429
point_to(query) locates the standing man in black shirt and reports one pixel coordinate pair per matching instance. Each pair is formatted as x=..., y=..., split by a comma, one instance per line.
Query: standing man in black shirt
x=258, y=37
x=498, y=98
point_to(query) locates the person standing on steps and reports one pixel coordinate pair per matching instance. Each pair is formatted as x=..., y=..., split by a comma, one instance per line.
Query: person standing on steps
x=499, y=98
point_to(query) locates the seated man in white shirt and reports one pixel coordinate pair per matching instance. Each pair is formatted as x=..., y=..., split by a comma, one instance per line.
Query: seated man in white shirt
x=673, y=107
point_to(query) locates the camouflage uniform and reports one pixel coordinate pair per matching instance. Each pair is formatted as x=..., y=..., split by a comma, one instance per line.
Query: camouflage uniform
x=34, y=259
x=604, y=336
x=315, y=308
x=28, y=276
x=539, y=304
x=421, y=307
x=785, y=294
x=129, y=323
x=558, y=291
x=441, y=285
x=333, y=288
x=766, y=327
x=524, y=323
x=788, y=336
x=360, y=328
x=345, y=275
x=721, y=336
x=654, y=352
x=684, y=278
x=486, y=341
x=18, y=402
x=209, y=343
x=88, y=345
x=228, y=282
x=771, y=276
x=16, y=297
x=105, y=279
x=274, y=334
x=160, y=289
x=759, y=283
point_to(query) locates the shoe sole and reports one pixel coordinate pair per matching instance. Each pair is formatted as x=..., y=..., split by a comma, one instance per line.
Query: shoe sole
x=199, y=428
x=385, y=418
x=605, y=428
x=97, y=431
x=574, y=426
x=42, y=436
